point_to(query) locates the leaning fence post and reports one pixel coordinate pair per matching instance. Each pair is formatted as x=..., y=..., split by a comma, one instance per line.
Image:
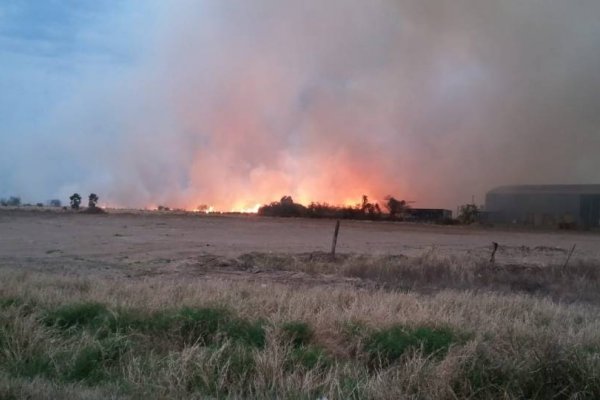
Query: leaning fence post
x=335, y=236
x=493, y=257
x=569, y=257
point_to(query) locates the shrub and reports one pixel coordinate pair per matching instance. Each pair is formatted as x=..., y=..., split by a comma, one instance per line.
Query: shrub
x=54, y=203
x=469, y=213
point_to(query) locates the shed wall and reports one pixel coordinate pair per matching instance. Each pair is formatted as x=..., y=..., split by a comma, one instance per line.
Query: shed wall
x=590, y=210
x=534, y=209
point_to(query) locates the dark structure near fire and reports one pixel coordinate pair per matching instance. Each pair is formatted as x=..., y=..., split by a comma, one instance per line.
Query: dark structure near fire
x=545, y=205
x=437, y=215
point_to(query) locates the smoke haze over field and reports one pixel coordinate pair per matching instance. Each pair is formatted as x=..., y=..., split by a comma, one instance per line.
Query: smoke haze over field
x=234, y=103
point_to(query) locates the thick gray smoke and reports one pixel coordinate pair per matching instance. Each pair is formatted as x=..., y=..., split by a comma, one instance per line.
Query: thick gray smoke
x=235, y=103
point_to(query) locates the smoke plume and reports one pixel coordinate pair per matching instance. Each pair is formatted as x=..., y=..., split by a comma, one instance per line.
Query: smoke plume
x=237, y=103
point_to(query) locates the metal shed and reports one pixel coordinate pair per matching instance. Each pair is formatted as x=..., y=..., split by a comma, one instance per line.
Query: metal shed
x=545, y=205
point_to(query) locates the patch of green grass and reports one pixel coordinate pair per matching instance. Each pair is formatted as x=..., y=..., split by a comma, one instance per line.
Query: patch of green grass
x=309, y=357
x=591, y=349
x=29, y=367
x=240, y=362
x=388, y=345
x=246, y=332
x=436, y=340
x=128, y=321
x=297, y=332
x=354, y=329
x=78, y=315
x=352, y=387
x=193, y=325
x=553, y=373
x=208, y=325
x=10, y=302
x=201, y=324
x=88, y=366
x=303, y=354
x=10, y=393
x=234, y=367
x=92, y=363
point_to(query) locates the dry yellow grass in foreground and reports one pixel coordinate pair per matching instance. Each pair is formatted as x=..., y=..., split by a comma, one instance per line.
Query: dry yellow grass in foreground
x=62, y=337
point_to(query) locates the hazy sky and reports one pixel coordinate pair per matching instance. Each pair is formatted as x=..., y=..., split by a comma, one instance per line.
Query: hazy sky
x=234, y=103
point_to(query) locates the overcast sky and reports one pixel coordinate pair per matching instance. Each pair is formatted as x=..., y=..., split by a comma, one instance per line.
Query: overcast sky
x=233, y=103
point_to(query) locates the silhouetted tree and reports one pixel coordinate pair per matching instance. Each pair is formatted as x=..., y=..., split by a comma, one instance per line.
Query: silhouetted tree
x=468, y=213
x=283, y=208
x=75, y=201
x=365, y=203
x=10, y=202
x=54, y=203
x=377, y=209
x=286, y=200
x=13, y=201
x=371, y=210
x=286, y=207
x=395, y=207
x=93, y=200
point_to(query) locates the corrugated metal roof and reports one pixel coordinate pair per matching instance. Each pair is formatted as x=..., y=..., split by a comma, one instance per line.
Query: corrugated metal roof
x=547, y=189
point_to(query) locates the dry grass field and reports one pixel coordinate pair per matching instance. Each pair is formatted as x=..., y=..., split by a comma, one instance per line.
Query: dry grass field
x=150, y=305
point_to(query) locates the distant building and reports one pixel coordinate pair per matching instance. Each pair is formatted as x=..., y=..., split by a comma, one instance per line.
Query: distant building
x=428, y=214
x=545, y=205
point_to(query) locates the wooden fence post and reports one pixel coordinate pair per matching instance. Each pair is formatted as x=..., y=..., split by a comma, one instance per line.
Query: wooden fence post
x=335, y=236
x=495, y=248
x=569, y=257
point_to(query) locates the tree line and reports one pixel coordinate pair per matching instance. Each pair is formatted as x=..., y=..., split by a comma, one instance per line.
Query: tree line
x=396, y=210
x=75, y=202
x=286, y=207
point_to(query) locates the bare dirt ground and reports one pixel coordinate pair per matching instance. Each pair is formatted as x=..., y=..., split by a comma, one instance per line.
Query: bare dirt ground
x=130, y=245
